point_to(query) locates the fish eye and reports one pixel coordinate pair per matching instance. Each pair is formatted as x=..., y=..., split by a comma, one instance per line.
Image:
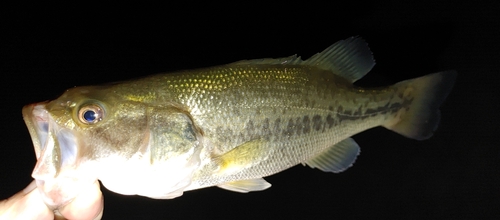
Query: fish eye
x=90, y=114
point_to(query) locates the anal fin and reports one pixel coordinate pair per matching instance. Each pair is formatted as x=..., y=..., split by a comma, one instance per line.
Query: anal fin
x=337, y=158
x=244, y=186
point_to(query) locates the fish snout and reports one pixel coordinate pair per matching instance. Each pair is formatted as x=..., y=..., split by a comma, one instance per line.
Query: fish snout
x=56, y=175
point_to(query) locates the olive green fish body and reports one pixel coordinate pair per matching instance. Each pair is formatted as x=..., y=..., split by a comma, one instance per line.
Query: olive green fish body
x=225, y=126
x=292, y=113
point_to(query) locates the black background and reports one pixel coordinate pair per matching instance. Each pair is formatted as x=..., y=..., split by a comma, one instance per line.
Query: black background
x=45, y=49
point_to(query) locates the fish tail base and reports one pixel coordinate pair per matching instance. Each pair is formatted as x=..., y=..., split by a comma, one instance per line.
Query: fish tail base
x=422, y=117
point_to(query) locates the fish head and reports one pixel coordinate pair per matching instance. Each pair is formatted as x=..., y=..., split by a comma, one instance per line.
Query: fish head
x=71, y=135
x=101, y=132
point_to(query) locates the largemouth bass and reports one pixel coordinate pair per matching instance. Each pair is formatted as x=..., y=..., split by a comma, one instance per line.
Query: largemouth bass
x=227, y=126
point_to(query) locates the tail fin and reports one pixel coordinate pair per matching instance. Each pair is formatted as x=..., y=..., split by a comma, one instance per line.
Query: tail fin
x=423, y=116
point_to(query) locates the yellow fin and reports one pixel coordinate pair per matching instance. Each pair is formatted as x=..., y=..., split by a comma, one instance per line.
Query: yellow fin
x=244, y=186
x=242, y=156
x=337, y=158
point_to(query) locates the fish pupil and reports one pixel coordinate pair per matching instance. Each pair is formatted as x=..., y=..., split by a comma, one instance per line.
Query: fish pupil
x=89, y=116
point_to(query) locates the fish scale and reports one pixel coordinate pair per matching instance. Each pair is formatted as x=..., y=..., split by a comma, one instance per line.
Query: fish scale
x=241, y=113
x=227, y=126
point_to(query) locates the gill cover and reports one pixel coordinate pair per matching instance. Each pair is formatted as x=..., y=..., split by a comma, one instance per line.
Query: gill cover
x=166, y=167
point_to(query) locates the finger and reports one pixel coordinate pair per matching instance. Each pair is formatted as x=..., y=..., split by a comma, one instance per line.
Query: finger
x=89, y=204
x=26, y=204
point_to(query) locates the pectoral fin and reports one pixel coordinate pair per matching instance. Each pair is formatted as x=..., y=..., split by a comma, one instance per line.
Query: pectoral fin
x=244, y=186
x=337, y=158
x=242, y=156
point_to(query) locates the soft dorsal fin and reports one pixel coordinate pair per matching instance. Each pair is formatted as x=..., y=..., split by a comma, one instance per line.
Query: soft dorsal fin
x=337, y=158
x=350, y=58
x=244, y=186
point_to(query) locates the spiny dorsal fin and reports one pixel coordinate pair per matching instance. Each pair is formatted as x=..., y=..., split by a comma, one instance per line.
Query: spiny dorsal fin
x=244, y=186
x=337, y=158
x=294, y=59
x=350, y=58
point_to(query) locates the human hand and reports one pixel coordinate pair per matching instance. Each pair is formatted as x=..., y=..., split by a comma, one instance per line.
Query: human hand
x=28, y=204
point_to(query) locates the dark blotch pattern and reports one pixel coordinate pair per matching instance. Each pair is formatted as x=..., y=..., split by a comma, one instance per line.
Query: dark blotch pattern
x=277, y=126
x=306, y=123
x=330, y=121
x=317, y=122
x=279, y=129
x=394, y=107
x=265, y=125
x=289, y=128
x=298, y=126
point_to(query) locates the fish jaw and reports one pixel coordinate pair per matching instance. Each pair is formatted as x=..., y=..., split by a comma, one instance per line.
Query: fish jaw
x=55, y=172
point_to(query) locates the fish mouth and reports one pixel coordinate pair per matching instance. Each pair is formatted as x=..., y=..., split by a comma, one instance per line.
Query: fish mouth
x=55, y=172
x=36, y=118
x=49, y=138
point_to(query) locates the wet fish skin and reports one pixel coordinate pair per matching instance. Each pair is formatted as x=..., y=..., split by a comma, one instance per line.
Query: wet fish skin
x=225, y=126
